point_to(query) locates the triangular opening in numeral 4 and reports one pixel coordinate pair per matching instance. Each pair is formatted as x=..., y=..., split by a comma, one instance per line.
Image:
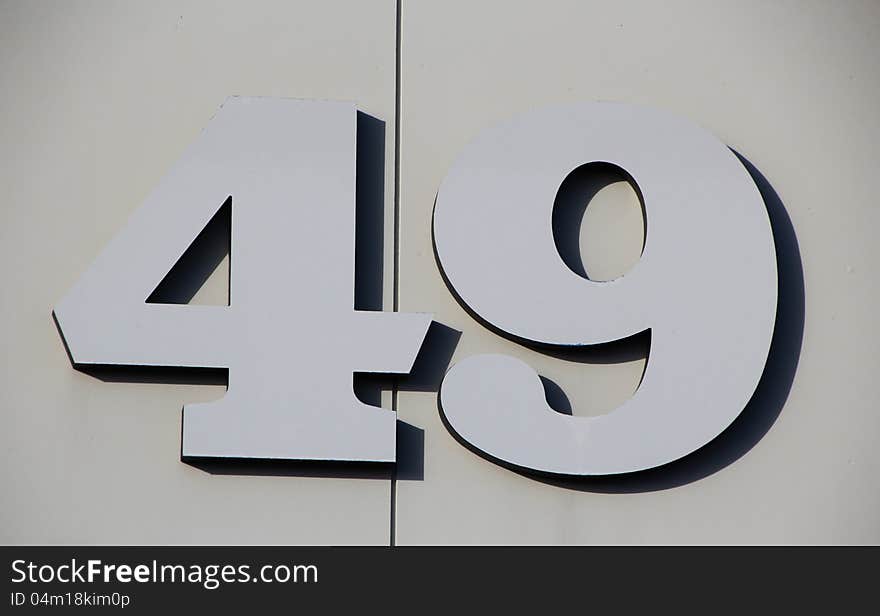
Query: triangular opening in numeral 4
x=201, y=274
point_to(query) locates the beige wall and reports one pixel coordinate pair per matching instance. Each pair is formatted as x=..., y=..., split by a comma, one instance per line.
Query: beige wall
x=98, y=101
x=100, y=98
x=794, y=88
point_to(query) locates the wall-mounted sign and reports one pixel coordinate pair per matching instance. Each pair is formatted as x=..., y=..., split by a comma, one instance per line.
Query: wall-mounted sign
x=290, y=337
x=705, y=287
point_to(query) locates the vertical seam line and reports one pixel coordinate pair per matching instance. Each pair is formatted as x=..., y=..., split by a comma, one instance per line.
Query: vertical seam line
x=396, y=256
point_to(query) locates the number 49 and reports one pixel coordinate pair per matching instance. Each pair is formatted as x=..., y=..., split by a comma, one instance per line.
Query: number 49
x=705, y=286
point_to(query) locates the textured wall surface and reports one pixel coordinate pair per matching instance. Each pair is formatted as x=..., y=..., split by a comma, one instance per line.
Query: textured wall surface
x=100, y=98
